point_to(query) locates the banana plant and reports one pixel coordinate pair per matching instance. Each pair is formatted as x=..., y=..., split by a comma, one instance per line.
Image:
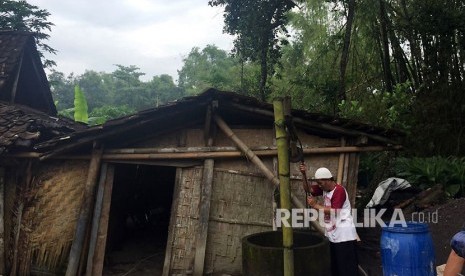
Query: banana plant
x=80, y=106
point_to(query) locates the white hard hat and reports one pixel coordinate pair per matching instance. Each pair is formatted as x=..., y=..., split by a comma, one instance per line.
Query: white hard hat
x=323, y=173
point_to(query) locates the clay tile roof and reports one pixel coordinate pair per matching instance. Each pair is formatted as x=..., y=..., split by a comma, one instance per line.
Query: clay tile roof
x=22, y=127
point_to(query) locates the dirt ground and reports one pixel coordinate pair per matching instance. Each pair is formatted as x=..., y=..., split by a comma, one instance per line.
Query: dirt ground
x=144, y=254
x=443, y=220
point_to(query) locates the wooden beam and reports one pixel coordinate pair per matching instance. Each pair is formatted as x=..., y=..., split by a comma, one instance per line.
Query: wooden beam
x=202, y=230
x=352, y=177
x=26, y=181
x=171, y=227
x=99, y=253
x=340, y=166
x=96, y=218
x=84, y=214
x=202, y=152
x=2, y=221
x=256, y=161
x=205, y=199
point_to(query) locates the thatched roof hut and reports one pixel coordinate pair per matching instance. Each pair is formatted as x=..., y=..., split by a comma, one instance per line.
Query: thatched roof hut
x=195, y=175
x=181, y=164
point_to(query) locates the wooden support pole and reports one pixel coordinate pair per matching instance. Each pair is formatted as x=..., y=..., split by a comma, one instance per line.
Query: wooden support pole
x=96, y=218
x=99, y=253
x=340, y=166
x=255, y=160
x=19, y=215
x=202, y=230
x=79, y=236
x=282, y=141
x=25, y=182
x=2, y=221
x=205, y=199
x=352, y=177
x=171, y=227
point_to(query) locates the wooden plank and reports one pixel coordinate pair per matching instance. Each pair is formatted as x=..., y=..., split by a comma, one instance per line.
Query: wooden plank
x=352, y=177
x=96, y=218
x=205, y=199
x=24, y=184
x=84, y=214
x=172, y=226
x=202, y=230
x=2, y=221
x=16, y=241
x=340, y=167
x=99, y=253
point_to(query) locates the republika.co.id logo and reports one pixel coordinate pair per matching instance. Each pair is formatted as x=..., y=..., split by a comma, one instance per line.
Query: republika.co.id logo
x=299, y=218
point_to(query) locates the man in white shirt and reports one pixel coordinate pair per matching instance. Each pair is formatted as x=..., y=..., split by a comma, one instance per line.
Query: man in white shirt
x=339, y=225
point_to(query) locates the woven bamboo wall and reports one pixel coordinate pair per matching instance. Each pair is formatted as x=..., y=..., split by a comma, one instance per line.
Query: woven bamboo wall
x=50, y=214
x=241, y=201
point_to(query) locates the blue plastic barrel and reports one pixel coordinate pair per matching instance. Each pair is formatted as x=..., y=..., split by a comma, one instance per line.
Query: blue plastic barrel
x=407, y=251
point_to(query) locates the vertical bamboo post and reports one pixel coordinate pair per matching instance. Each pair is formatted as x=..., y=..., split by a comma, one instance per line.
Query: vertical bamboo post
x=205, y=199
x=172, y=227
x=282, y=143
x=99, y=253
x=340, y=167
x=81, y=227
x=2, y=221
x=96, y=218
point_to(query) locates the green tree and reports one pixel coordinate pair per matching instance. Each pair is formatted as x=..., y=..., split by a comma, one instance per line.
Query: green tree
x=260, y=30
x=62, y=88
x=163, y=90
x=209, y=67
x=22, y=16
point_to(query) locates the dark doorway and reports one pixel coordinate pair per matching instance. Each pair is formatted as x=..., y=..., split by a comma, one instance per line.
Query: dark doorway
x=139, y=219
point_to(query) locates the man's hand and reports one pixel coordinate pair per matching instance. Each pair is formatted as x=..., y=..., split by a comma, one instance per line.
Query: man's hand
x=311, y=201
x=303, y=168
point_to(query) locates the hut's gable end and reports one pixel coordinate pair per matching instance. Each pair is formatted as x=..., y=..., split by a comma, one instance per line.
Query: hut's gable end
x=22, y=77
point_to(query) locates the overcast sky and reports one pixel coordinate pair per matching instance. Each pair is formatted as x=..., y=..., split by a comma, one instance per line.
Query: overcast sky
x=153, y=35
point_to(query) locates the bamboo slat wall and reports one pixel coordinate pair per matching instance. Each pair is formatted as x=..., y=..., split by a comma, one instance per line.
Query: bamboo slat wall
x=51, y=213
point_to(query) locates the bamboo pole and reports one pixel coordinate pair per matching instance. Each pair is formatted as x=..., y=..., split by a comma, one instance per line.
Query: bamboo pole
x=99, y=253
x=96, y=218
x=2, y=221
x=284, y=187
x=79, y=236
x=14, y=267
x=255, y=160
x=171, y=227
x=340, y=167
x=205, y=199
x=201, y=152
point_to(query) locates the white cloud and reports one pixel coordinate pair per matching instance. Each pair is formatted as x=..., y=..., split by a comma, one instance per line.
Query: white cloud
x=153, y=35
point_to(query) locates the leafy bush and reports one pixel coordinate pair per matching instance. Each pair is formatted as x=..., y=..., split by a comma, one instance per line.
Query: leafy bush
x=426, y=172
